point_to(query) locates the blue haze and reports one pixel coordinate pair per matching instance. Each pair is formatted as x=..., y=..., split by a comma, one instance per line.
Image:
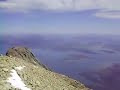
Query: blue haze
x=91, y=59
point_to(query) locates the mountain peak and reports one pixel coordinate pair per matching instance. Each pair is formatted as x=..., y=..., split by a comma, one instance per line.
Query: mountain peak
x=19, y=73
x=25, y=54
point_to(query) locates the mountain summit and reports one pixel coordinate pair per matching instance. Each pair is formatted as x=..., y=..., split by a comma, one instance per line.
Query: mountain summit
x=20, y=70
x=25, y=54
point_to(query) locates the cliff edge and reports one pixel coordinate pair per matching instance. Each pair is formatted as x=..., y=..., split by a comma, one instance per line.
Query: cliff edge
x=18, y=71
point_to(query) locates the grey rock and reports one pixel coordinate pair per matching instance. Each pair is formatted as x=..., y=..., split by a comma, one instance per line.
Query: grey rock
x=25, y=54
x=2, y=66
x=5, y=69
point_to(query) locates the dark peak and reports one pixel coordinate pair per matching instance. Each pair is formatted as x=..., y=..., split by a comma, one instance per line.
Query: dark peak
x=20, y=52
x=25, y=54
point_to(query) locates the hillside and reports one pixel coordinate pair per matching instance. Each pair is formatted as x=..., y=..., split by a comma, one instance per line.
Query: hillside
x=21, y=74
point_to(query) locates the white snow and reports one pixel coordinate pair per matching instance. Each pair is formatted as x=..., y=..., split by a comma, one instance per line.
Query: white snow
x=19, y=68
x=16, y=81
x=35, y=66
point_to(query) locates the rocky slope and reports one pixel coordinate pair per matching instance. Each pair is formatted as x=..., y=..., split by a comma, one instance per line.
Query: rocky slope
x=25, y=54
x=24, y=73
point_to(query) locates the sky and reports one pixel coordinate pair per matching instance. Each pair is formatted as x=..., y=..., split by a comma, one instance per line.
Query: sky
x=59, y=16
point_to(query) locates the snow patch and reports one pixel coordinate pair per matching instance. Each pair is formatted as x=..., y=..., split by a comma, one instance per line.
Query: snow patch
x=19, y=68
x=35, y=66
x=16, y=81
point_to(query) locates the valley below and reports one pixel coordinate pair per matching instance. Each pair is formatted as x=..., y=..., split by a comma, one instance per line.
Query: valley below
x=93, y=60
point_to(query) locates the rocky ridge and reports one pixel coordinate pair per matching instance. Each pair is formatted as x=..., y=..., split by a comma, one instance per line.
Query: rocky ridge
x=25, y=54
x=32, y=74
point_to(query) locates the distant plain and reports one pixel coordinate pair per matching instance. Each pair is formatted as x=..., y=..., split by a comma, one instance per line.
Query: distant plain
x=92, y=59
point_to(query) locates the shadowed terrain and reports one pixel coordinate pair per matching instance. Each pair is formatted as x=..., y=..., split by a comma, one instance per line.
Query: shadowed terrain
x=105, y=79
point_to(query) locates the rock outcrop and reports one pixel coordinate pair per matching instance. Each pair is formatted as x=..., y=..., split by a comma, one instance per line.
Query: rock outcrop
x=25, y=54
x=19, y=71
